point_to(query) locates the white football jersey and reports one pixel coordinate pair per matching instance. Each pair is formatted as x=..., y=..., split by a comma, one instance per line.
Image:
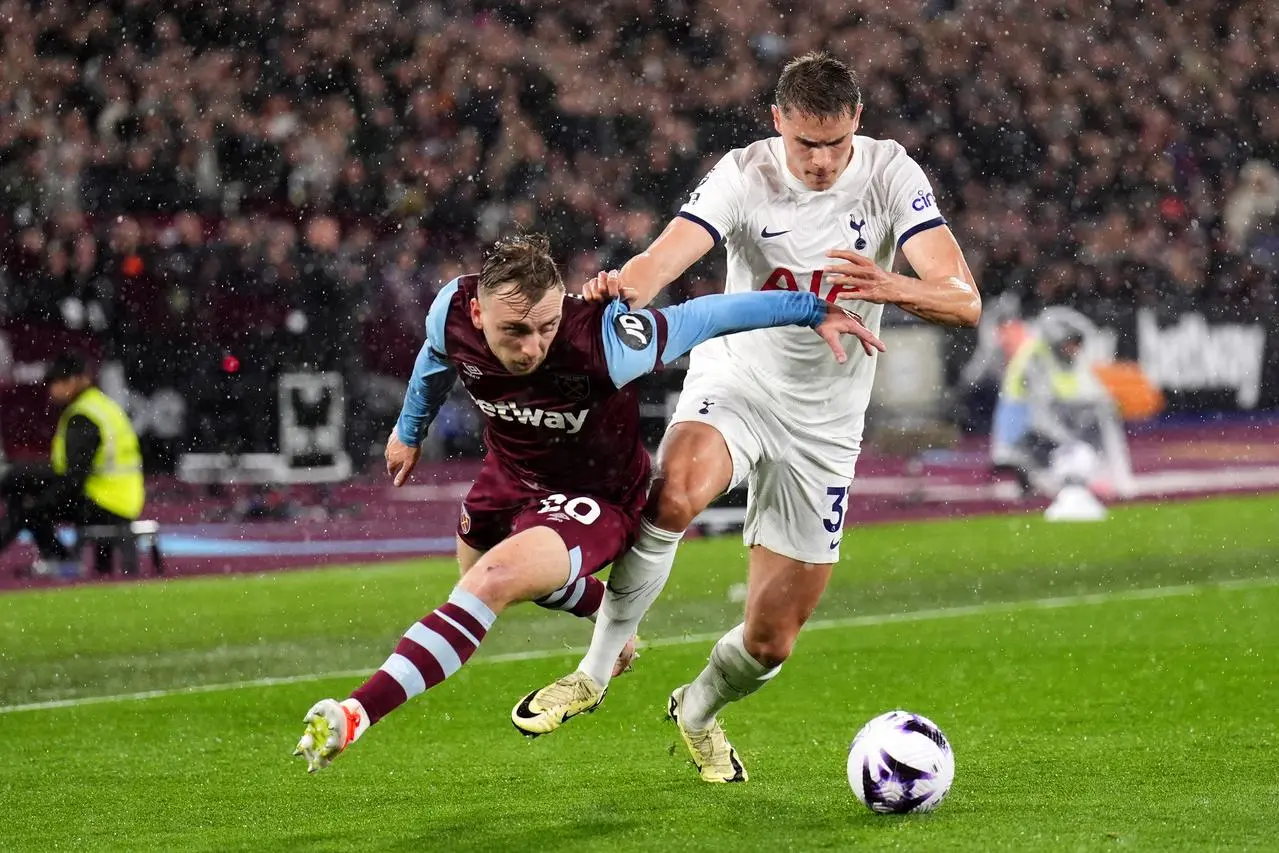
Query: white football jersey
x=777, y=232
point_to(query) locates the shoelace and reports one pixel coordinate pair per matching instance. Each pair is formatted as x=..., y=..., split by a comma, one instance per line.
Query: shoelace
x=719, y=745
x=566, y=689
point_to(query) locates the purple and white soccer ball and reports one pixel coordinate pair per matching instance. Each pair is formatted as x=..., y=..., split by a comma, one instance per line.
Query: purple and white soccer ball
x=900, y=762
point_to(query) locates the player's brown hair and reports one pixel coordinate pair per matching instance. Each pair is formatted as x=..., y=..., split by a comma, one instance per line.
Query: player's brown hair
x=819, y=85
x=522, y=267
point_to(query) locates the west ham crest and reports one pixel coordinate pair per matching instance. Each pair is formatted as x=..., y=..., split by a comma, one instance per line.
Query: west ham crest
x=574, y=386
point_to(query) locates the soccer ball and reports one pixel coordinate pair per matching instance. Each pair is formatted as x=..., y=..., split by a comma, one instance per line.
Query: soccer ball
x=900, y=762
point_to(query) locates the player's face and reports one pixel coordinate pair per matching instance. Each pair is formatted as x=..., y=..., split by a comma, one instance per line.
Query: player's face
x=519, y=335
x=818, y=149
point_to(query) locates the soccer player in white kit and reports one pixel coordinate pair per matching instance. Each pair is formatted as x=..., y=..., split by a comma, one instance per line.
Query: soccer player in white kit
x=815, y=208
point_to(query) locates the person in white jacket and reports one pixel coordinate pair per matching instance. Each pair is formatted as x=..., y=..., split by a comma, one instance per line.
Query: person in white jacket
x=1055, y=423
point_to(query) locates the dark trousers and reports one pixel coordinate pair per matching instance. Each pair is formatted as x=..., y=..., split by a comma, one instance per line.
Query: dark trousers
x=20, y=490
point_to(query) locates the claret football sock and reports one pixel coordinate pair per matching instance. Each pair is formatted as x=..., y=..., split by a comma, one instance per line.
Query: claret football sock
x=429, y=652
x=582, y=598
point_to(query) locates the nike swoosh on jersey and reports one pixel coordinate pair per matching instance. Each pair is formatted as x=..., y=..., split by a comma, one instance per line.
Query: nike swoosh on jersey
x=765, y=233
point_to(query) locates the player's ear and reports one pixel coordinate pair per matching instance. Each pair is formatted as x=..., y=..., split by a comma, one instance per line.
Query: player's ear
x=857, y=118
x=477, y=316
x=777, y=119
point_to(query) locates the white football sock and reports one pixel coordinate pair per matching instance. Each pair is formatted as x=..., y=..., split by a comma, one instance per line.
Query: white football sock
x=732, y=674
x=633, y=585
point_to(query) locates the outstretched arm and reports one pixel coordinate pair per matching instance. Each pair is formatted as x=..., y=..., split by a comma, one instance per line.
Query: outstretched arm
x=429, y=386
x=638, y=342
x=681, y=244
x=714, y=209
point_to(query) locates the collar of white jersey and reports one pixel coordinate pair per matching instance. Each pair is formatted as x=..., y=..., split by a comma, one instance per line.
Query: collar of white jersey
x=778, y=146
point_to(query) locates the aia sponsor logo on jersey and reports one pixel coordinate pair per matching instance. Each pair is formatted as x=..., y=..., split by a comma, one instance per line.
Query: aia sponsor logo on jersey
x=784, y=279
x=575, y=386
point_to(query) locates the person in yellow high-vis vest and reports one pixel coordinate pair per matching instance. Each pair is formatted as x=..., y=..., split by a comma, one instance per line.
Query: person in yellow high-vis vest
x=94, y=475
x=1055, y=422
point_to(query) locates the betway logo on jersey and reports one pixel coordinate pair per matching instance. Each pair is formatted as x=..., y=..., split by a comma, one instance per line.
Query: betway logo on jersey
x=783, y=279
x=570, y=422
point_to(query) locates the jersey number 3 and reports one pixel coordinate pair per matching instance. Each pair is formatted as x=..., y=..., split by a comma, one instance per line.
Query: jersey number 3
x=838, y=493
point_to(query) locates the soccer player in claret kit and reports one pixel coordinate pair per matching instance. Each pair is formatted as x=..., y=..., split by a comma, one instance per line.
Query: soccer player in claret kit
x=560, y=492
x=816, y=209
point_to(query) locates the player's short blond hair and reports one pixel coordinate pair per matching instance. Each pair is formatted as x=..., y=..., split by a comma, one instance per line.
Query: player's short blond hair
x=818, y=84
x=521, y=269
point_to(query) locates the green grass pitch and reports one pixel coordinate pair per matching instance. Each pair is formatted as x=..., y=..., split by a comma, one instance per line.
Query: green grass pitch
x=1106, y=687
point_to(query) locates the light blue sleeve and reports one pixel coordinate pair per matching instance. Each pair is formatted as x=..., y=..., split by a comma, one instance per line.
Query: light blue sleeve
x=433, y=375
x=633, y=339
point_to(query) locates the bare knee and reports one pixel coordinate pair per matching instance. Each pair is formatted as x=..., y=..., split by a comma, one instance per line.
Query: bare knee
x=694, y=467
x=671, y=506
x=492, y=581
x=770, y=645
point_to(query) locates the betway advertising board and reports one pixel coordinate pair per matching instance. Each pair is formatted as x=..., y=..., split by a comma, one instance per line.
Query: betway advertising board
x=1204, y=360
x=1196, y=357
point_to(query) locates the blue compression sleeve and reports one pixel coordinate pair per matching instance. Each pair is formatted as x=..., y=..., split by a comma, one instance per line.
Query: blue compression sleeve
x=433, y=375
x=633, y=339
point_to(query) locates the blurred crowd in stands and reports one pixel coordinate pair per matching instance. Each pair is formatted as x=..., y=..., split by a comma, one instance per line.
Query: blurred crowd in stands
x=289, y=181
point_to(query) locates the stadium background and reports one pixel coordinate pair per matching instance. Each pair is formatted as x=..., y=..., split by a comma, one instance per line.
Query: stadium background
x=234, y=206
x=221, y=201
x=177, y=179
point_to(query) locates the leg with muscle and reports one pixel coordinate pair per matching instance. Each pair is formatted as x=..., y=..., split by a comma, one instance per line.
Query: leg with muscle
x=526, y=566
x=579, y=598
x=694, y=466
x=782, y=594
x=467, y=556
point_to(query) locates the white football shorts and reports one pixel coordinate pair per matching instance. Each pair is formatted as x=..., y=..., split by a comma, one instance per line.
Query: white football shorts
x=797, y=476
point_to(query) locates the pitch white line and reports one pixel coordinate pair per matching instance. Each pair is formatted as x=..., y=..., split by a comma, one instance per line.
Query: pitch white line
x=1057, y=602
x=1172, y=481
